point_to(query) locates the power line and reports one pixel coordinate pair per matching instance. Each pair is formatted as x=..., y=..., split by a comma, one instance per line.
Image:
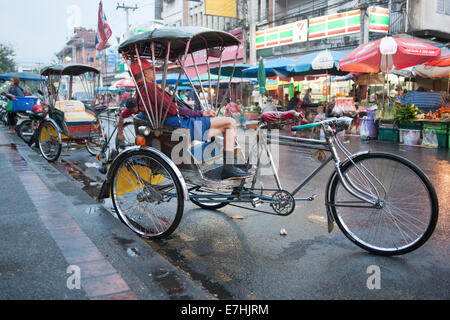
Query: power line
x=127, y=9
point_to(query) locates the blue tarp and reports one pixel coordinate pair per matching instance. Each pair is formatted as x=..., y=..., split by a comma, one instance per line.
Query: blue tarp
x=172, y=78
x=22, y=76
x=274, y=67
x=228, y=69
x=425, y=101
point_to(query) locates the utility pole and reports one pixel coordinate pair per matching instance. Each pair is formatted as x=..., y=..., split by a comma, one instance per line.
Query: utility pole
x=243, y=19
x=252, y=18
x=364, y=17
x=127, y=9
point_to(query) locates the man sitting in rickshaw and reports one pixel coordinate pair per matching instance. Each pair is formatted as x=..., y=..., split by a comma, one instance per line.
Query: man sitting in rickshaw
x=202, y=124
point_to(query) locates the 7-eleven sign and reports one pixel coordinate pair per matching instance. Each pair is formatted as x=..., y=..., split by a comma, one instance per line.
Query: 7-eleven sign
x=282, y=35
x=378, y=19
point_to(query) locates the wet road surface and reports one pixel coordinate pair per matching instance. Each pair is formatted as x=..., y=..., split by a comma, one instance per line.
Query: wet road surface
x=248, y=258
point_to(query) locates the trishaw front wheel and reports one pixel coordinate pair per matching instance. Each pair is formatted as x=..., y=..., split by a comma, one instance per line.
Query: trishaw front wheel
x=147, y=194
x=406, y=212
x=49, y=140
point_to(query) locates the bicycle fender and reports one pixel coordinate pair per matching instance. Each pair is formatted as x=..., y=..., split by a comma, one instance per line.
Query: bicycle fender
x=106, y=187
x=334, y=175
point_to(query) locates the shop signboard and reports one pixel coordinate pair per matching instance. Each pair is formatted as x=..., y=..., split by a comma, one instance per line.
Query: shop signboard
x=119, y=68
x=343, y=23
x=282, y=35
x=222, y=8
x=378, y=19
x=334, y=25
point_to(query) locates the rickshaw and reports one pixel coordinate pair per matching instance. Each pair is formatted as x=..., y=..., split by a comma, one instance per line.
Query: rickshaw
x=68, y=120
x=382, y=202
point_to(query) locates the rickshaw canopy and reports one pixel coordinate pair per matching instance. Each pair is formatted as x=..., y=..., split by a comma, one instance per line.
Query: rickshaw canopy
x=68, y=70
x=200, y=38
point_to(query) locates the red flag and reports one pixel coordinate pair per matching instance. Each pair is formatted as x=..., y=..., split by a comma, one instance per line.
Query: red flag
x=103, y=30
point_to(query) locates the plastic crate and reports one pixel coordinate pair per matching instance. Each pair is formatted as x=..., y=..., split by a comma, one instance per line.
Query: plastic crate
x=388, y=134
x=21, y=104
x=438, y=127
x=411, y=126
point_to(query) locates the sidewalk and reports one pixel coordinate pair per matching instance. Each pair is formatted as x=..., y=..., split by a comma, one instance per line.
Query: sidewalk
x=48, y=224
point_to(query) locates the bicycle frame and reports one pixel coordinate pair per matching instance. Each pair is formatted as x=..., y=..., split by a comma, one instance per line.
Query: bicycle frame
x=327, y=145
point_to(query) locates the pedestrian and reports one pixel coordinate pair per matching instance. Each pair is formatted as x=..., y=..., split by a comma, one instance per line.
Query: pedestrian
x=14, y=91
x=295, y=102
x=307, y=97
x=193, y=97
x=286, y=101
x=234, y=111
x=231, y=108
x=183, y=96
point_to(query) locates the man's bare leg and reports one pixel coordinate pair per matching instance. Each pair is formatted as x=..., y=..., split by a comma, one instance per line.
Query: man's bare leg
x=227, y=126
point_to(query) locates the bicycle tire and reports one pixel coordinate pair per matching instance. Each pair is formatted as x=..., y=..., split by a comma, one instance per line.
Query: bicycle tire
x=139, y=158
x=91, y=149
x=56, y=143
x=390, y=212
x=23, y=128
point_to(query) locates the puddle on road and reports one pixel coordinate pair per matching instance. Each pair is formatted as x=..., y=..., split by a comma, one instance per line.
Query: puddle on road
x=133, y=252
x=171, y=283
x=91, y=186
x=210, y=284
x=10, y=145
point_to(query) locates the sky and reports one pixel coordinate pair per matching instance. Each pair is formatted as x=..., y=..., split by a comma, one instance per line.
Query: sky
x=37, y=29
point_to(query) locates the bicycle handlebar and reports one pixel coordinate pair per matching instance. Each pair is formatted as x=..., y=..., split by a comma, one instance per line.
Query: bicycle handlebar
x=313, y=125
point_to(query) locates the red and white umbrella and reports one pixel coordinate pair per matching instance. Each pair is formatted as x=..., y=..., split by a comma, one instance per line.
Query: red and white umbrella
x=126, y=83
x=388, y=53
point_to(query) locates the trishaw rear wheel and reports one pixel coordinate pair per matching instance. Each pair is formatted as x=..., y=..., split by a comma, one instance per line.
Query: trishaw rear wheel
x=147, y=194
x=49, y=141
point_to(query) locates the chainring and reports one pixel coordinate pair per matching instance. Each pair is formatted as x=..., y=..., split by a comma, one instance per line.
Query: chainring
x=284, y=203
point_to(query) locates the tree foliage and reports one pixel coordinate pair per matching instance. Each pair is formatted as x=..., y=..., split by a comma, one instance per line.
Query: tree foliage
x=7, y=63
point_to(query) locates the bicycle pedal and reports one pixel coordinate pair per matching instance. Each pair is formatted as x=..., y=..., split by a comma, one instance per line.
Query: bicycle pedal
x=256, y=202
x=103, y=170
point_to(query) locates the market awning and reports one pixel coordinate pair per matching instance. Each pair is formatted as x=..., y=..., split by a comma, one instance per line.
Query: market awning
x=274, y=67
x=431, y=72
x=22, y=76
x=322, y=62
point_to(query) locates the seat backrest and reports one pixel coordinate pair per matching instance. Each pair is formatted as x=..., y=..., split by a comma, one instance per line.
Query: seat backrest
x=70, y=106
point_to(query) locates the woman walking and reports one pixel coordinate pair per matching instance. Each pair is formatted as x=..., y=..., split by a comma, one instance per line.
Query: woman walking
x=14, y=91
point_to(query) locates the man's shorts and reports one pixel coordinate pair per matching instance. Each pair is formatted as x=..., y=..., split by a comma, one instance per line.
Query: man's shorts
x=198, y=126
